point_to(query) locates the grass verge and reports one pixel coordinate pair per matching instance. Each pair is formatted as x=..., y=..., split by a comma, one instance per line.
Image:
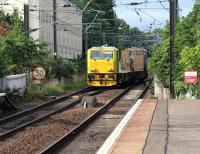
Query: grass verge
x=52, y=88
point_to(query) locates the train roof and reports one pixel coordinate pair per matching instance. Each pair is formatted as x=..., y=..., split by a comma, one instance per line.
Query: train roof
x=136, y=48
x=104, y=47
x=111, y=47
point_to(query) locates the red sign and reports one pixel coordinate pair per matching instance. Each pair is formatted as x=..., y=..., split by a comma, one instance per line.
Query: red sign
x=190, y=77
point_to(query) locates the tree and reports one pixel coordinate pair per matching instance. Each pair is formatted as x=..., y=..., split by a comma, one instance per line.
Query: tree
x=159, y=62
x=17, y=50
x=105, y=21
x=187, y=51
x=24, y=53
x=63, y=68
x=3, y=66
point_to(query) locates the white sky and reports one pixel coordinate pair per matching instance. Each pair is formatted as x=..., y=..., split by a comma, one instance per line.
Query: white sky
x=154, y=9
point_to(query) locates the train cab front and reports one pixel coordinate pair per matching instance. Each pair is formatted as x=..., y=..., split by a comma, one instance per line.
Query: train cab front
x=101, y=80
x=101, y=70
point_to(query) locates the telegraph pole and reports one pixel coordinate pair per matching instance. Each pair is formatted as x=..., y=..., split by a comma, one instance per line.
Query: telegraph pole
x=26, y=19
x=55, y=30
x=177, y=9
x=173, y=18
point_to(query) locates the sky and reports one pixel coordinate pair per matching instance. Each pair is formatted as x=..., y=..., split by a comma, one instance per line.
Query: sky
x=153, y=13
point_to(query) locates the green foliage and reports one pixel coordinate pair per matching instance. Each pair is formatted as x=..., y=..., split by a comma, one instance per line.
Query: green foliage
x=190, y=57
x=80, y=64
x=115, y=32
x=23, y=53
x=95, y=32
x=181, y=88
x=13, y=19
x=78, y=81
x=35, y=92
x=159, y=62
x=19, y=52
x=52, y=88
x=63, y=68
x=187, y=52
x=188, y=48
x=3, y=66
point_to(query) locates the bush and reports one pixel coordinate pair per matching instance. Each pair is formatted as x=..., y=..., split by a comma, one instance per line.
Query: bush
x=78, y=81
x=52, y=88
x=3, y=67
x=33, y=93
x=63, y=68
x=80, y=64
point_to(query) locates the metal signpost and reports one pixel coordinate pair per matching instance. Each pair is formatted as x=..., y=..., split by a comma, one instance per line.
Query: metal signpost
x=39, y=74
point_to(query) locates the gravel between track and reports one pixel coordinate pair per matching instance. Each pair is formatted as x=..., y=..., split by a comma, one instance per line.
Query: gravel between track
x=39, y=136
x=35, y=138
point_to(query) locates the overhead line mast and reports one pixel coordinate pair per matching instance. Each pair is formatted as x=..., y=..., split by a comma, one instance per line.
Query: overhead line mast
x=55, y=30
x=172, y=55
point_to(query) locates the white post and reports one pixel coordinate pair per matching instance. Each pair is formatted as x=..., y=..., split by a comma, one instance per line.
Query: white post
x=190, y=91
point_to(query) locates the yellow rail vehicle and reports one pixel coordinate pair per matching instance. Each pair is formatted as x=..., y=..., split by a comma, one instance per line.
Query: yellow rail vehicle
x=107, y=66
x=102, y=68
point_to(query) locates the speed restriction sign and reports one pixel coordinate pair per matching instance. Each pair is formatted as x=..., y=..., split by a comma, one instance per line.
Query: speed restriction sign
x=39, y=73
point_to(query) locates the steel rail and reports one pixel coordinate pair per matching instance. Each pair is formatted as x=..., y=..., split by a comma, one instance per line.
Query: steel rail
x=26, y=112
x=11, y=132
x=70, y=135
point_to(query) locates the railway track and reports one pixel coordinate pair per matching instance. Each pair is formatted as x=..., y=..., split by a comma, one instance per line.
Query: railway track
x=49, y=131
x=40, y=134
x=19, y=121
x=23, y=113
x=67, y=138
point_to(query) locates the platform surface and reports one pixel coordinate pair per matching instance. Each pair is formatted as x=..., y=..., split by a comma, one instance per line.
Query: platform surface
x=175, y=128
x=167, y=127
x=134, y=130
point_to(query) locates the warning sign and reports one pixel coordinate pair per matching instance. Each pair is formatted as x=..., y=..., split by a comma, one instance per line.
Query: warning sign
x=190, y=77
x=39, y=73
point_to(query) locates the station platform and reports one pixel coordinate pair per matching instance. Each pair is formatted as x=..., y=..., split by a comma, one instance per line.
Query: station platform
x=152, y=127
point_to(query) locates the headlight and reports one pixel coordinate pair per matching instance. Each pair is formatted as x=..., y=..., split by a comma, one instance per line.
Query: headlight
x=110, y=70
x=93, y=69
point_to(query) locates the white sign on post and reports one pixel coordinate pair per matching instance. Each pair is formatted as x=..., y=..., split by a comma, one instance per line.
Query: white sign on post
x=39, y=73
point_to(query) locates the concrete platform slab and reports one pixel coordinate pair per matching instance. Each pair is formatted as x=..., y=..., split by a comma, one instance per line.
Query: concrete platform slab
x=128, y=148
x=184, y=128
x=175, y=129
x=132, y=136
x=156, y=141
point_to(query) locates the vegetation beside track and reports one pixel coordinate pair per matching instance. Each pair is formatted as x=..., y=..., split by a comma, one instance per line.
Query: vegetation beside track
x=19, y=54
x=187, y=53
x=52, y=88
